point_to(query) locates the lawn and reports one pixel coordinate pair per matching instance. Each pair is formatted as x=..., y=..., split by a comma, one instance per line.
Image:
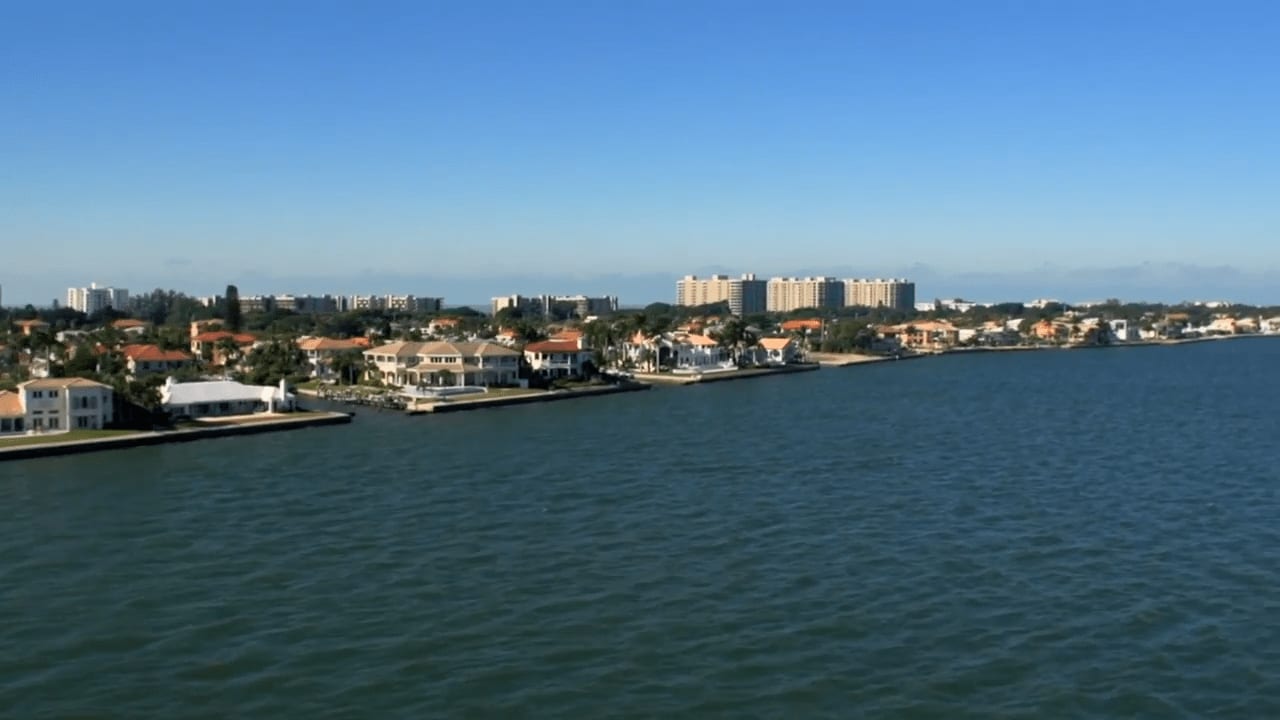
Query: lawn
x=73, y=436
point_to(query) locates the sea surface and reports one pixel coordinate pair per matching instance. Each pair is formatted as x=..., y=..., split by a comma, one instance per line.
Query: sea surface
x=1062, y=534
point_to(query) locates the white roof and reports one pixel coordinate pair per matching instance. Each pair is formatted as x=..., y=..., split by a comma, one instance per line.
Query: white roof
x=217, y=391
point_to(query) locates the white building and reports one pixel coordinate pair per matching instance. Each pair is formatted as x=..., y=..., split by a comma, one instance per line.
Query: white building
x=784, y=294
x=1124, y=331
x=558, y=358
x=56, y=405
x=895, y=293
x=94, y=299
x=745, y=295
x=223, y=397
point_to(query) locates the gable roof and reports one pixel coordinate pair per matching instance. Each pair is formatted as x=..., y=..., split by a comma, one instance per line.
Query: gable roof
x=699, y=340
x=153, y=353
x=323, y=343
x=125, y=323
x=775, y=343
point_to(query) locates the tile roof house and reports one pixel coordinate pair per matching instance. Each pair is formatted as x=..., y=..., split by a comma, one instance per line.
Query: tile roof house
x=779, y=350
x=444, y=363
x=56, y=405
x=558, y=358
x=30, y=326
x=320, y=352
x=143, y=360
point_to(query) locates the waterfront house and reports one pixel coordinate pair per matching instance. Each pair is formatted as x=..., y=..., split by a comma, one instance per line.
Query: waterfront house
x=143, y=360
x=56, y=405
x=1270, y=325
x=443, y=363
x=778, y=350
x=558, y=358
x=214, y=345
x=1123, y=331
x=690, y=351
x=934, y=334
x=216, y=398
x=132, y=327
x=321, y=351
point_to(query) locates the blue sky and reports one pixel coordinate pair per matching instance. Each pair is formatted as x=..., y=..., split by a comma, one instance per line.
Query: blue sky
x=475, y=148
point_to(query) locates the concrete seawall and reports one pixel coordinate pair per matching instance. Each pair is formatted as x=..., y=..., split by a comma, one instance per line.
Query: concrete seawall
x=145, y=438
x=482, y=403
x=725, y=376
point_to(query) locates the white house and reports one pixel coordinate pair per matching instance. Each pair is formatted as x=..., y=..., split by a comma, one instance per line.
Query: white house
x=557, y=358
x=779, y=350
x=224, y=397
x=1124, y=331
x=321, y=352
x=696, y=352
x=56, y=405
x=1270, y=325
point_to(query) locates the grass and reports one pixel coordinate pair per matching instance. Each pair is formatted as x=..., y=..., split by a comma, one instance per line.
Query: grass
x=73, y=436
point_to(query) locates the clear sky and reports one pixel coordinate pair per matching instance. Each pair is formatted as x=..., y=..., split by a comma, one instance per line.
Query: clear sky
x=326, y=145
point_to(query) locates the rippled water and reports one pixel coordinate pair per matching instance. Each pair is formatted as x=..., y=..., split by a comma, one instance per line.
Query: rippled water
x=1059, y=534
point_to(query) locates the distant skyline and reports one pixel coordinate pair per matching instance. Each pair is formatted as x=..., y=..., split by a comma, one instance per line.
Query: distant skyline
x=992, y=150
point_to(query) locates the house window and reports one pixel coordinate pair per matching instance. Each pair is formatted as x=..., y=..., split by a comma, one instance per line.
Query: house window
x=53, y=423
x=53, y=393
x=37, y=423
x=82, y=422
x=37, y=394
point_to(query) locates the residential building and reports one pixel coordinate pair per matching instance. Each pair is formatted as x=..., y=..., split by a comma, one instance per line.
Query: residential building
x=143, y=360
x=56, y=405
x=745, y=295
x=223, y=397
x=321, y=351
x=779, y=350
x=306, y=304
x=444, y=363
x=893, y=293
x=784, y=294
x=215, y=345
x=94, y=299
x=558, y=358
x=257, y=303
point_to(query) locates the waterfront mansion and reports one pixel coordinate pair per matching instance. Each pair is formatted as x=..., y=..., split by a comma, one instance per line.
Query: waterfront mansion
x=56, y=405
x=443, y=363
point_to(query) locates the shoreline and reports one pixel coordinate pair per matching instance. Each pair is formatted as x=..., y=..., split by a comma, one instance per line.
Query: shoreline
x=671, y=379
x=144, y=438
x=481, y=403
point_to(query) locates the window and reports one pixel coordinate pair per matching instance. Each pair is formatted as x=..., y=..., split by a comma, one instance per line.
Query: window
x=53, y=393
x=82, y=422
x=53, y=423
x=37, y=423
x=37, y=394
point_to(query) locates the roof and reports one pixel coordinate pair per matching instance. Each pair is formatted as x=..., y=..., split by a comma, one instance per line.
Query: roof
x=427, y=349
x=699, y=340
x=60, y=383
x=573, y=335
x=10, y=404
x=806, y=324
x=555, y=346
x=446, y=322
x=216, y=335
x=322, y=343
x=153, y=353
x=775, y=343
x=31, y=323
x=215, y=391
x=124, y=323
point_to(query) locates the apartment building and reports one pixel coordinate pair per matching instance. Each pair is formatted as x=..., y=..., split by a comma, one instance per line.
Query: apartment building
x=745, y=295
x=94, y=299
x=582, y=305
x=784, y=294
x=895, y=293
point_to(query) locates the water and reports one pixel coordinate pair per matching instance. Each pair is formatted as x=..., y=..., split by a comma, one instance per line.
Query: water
x=1057, y=534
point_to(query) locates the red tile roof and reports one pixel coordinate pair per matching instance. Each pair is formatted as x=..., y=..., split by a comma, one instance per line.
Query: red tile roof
x=152, y=353
x=810, y=324
x=125, y=323
x=554, y=346
x=216, y=335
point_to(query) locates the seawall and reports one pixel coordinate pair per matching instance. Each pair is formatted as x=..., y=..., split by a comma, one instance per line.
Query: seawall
x=506, y=401
x=161, y=437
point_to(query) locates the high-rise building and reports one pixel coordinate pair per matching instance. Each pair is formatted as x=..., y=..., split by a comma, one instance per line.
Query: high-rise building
x=785, y=294
x=746, y=295
x=583, y=305
x=94, y=299
x=895, y=293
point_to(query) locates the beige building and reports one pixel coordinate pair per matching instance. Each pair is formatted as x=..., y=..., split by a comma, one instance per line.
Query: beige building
x=895, y=293
x=444, y=363
x=785, y=294
x=56, y=405
x=745, y=295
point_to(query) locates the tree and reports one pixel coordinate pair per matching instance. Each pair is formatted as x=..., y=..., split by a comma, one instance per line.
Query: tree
x=348, y=365
x=231, y=311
